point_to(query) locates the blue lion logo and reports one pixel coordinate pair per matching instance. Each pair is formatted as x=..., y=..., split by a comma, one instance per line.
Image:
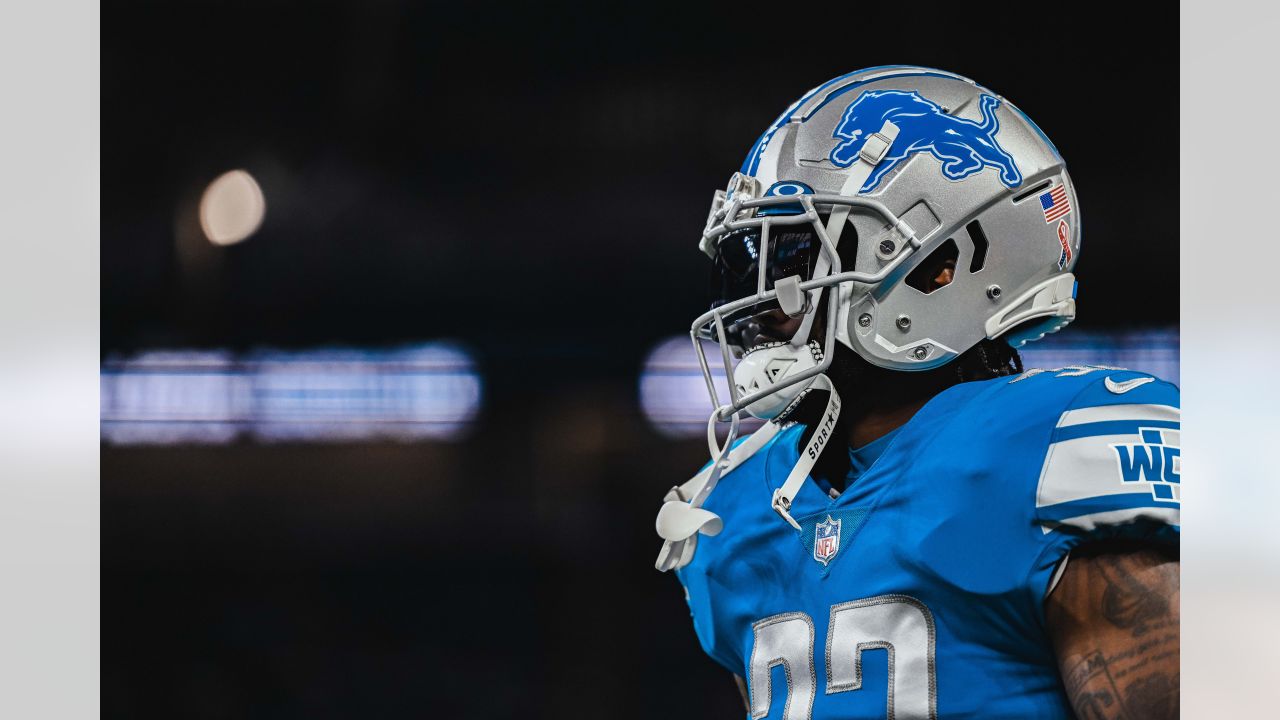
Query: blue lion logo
x=962, y=146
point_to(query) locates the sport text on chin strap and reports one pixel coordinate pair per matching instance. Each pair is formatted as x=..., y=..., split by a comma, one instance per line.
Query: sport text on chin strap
x=682, y=517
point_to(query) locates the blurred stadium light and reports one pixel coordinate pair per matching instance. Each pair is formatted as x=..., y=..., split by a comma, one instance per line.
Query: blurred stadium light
x=1152, y=350
x=673, y=394
x=423, y=392
x=232, y=208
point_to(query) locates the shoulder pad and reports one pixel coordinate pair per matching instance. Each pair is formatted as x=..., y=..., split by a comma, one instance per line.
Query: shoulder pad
x=1114, y=454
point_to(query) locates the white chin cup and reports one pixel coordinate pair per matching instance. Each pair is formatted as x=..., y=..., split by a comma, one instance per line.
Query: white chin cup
x=771, y=365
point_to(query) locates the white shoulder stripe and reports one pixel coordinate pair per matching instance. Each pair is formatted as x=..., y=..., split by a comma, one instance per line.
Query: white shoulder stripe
x=1104, y=413
x=1084, y=468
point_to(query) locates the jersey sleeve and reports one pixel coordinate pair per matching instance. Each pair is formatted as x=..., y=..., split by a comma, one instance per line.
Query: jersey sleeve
x=1113, y=457
x=1112, y=468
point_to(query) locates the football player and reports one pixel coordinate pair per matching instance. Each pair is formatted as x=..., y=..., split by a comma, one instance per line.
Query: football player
x=922, y=528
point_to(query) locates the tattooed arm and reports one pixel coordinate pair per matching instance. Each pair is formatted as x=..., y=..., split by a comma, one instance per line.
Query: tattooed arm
x=1113, y=618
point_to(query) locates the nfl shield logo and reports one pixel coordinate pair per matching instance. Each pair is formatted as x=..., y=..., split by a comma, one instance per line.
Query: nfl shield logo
x=826, y=540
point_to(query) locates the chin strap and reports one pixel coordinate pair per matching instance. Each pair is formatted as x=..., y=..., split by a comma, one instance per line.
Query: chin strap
x=874, y=149
x=682, y=517
x=783, y=496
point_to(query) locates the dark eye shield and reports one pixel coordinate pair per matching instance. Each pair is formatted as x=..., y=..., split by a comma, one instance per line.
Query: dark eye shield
x=790, y=251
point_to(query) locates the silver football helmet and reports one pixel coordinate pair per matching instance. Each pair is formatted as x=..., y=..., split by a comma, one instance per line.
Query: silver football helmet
x=841, y=213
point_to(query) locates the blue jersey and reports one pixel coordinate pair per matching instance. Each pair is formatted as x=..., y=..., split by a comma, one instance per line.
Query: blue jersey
x=918, y=592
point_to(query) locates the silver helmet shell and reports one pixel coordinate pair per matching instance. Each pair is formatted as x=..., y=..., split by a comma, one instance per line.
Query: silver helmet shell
x=957, y=168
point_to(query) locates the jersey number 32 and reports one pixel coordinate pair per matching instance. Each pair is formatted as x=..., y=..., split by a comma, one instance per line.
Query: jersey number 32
x=899, y=624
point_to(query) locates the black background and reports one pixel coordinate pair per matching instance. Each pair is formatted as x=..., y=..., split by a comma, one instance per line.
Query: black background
x=530, y=179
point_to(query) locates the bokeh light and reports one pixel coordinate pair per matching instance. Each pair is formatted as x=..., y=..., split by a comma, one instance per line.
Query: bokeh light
x=232, y=208
x=673, y=393
x=428, y=391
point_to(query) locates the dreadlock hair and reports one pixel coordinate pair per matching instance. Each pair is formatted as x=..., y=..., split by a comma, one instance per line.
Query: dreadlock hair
x=865, y=387
x=988, y=359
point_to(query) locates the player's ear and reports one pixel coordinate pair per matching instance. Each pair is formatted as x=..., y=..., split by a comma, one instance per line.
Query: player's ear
x=945, y=274
x=935, y=271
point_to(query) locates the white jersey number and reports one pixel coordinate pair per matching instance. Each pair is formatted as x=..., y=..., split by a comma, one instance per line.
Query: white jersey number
x=901, y=625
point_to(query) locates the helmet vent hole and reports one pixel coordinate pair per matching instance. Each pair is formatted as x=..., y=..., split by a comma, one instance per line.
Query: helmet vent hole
x=847, y=247
x=935, y=271
x=980, y=245
x=1033, y=191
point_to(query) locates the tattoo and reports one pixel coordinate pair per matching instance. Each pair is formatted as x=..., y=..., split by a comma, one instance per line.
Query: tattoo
x=1092, y=691
x=1156, y=694
x=1127, y=601
x=1114, y=622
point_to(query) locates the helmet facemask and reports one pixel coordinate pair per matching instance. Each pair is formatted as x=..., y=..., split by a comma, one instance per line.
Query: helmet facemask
x=778, y=254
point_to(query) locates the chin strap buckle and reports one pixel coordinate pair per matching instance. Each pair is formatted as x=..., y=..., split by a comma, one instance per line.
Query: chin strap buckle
x=782, y=506
x=876, y=147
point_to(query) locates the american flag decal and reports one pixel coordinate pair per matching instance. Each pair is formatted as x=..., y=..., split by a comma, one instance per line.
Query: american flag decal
x=1055, y=203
